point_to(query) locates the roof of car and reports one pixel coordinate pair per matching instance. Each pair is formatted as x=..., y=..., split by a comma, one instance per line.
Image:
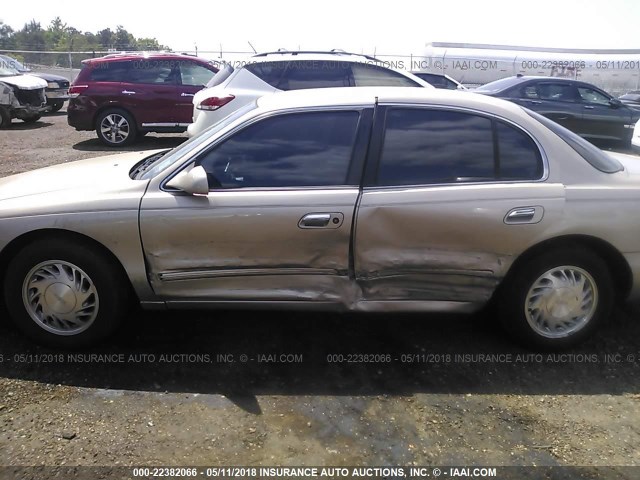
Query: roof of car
x=114, y=57
x=368, y=95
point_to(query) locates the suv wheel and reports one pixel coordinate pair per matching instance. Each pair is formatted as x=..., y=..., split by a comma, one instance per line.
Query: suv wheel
x=116, y=128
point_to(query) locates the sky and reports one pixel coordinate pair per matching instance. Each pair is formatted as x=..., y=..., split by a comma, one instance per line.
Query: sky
x=397, y=27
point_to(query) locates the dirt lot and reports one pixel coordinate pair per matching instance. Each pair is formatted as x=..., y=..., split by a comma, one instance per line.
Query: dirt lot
x=253, y=388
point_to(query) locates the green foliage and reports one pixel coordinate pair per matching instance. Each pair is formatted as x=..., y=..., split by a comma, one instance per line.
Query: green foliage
x=60, y=37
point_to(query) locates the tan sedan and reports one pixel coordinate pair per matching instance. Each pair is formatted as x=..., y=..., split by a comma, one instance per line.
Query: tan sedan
x=368, y=199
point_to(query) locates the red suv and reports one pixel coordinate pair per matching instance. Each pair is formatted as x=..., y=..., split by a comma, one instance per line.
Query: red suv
x=124, y=96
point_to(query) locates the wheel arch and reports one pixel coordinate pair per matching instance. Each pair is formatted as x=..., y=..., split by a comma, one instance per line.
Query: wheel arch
x=114, y=106
x=616, y=263
x=18, y=243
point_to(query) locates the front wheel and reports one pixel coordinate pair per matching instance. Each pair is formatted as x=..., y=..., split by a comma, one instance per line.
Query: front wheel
x=557, y=299
x=64, y=294
x=116, y=128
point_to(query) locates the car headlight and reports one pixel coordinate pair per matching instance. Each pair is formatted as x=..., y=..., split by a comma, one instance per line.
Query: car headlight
x=52, y=85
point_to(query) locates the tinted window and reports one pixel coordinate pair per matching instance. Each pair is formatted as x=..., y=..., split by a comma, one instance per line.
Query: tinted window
x=590, y=95
x=367, y=75
x=301, y=149
x=152, y=72
x=194, y=74
x=316, y=74
x=269, y=72
x=529, y=91
x=556, y=91
x=109, y=71
x=438, y=81
x=519, y=157
x=435, y=146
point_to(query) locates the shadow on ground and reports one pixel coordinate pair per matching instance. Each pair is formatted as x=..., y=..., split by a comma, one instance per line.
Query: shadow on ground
x=240, y=354
x=148, y=142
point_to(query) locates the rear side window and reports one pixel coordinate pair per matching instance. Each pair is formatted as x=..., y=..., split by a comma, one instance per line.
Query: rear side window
x=195, y=75
x=423, y=146
x=367, y=75
x=269, y=72
x=293, y=150
x=108, y=71
x=152, y=72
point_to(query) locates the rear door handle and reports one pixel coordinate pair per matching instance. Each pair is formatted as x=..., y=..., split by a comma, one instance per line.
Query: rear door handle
x=183, y=94
x=521, y=215
x=589, y=107
x=128, y=92
x=321, y=220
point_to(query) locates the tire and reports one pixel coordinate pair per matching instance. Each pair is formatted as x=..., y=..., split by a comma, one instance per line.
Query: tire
x=116, y=128
x=56, y=106
x=574, y=292
x=5, y=118
x=43, y=287
x=32, y=119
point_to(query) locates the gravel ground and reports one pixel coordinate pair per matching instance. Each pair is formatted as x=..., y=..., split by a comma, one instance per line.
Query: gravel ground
x=196, y=388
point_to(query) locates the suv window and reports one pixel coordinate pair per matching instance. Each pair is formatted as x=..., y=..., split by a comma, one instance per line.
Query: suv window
x=108, y=71
x=316, y=74
x=590, y=95
x=194, y=74
x=152, y=72
x=423, y=146
x=557, y=92
x=293, y=150
x=367, y=75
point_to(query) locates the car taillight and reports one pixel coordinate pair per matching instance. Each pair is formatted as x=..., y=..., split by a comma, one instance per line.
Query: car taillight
x=76, y=90
x=214, y=103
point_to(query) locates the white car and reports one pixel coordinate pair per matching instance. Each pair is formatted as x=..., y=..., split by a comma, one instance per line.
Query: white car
x=265, y=73
x=635, y=140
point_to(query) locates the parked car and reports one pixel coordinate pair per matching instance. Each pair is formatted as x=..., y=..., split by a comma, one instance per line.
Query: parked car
x=581, y=107
x=57, y=91
x=124, y=96
x=21, y=96
x=440, y=80
x=631, y=99
x=366, y=199
x=273, y=72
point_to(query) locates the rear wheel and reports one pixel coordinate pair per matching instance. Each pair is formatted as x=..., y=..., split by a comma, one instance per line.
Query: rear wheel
x=557, y=299
x=116, y=128
x=64, y=294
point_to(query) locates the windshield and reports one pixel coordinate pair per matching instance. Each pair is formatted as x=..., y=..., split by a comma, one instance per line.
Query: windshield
x=592, y=154
x=8, y=68
x=193, y=143
x=12, y=63
x=221, y=76
x=498, y=85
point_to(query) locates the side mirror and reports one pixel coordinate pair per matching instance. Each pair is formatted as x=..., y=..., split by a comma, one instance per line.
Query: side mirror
x=193, y=181
x=615, y=103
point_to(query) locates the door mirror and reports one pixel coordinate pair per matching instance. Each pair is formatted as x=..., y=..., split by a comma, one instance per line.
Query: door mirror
x=193, y=181
x=615, y=103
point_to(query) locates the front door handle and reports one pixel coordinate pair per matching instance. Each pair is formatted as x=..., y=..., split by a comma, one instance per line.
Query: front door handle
x=187, y=94
x=520, y=215
x=321, y=220
x=128, y=92
x=588, y=107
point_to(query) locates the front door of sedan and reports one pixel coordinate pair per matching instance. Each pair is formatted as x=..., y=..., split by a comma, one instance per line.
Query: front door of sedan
x=455, y=196
x=602, y=119
x=276, y=224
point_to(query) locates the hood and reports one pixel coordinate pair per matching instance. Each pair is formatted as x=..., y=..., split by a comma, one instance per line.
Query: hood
x=50, y=77
x=83, y=179
x=25, y=82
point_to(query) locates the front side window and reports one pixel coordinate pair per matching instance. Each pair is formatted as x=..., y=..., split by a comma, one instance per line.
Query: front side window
x=430, y=146
x=590, y=95
x=292, y=150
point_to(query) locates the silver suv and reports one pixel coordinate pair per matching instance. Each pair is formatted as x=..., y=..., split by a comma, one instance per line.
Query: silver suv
x=266, y=73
